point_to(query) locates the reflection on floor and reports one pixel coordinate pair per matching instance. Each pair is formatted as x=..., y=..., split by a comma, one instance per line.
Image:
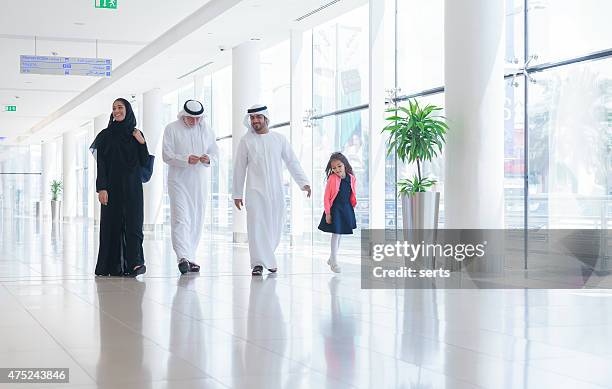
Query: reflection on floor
x=304, y=328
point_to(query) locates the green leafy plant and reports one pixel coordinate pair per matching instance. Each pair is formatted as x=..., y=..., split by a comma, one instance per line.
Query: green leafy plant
x=416, y=134
x=56, y=189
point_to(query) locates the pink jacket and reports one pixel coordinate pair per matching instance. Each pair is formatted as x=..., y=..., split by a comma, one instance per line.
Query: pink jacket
x=333, y=187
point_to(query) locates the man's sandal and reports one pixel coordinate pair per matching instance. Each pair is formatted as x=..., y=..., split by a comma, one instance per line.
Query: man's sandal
x=183, y=266
x=257, y=270
x=194, y=267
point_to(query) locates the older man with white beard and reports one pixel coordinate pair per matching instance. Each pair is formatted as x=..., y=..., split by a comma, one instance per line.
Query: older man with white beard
x=189, y=148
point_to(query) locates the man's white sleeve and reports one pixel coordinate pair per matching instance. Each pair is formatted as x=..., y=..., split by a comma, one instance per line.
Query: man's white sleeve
x=240, y=168
x=168, y=151
x=293, y=165
x=212, y=149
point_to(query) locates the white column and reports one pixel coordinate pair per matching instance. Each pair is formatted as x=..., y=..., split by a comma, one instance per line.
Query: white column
x=153, y=129
x=377, y=115
x=245, y=92
x=49, y=173
x=474, y=103
x=69, y=193
x=297, y=58
x=100, y=123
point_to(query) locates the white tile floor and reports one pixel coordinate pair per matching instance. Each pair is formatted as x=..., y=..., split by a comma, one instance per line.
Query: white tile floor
x=304, y=328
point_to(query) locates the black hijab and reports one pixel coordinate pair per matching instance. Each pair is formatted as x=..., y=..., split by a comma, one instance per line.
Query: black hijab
x=116, y=141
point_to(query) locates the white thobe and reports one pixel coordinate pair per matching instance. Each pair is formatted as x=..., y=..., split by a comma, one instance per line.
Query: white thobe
x=263, y=156
x=187, y=184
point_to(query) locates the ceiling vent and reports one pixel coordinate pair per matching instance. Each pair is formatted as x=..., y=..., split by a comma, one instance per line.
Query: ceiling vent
x=321, y=8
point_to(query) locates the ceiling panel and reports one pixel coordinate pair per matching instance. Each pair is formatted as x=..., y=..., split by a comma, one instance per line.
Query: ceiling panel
x=120, y=35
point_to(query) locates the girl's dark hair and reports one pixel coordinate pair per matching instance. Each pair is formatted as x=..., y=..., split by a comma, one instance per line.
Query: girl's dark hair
x=338, y=156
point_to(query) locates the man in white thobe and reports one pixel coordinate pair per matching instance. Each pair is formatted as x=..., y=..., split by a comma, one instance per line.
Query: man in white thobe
x=262, y=153
x=189, y=147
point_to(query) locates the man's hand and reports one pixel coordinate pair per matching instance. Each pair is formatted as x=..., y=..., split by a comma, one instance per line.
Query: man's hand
x=205, y=159
x=306, y=188
x=238, y=203
x=138, y=136
x=328, y=219
x=103, y=197
x=193, y=159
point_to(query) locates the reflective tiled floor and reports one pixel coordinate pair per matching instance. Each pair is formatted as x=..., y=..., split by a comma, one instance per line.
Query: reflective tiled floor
x=303, y=328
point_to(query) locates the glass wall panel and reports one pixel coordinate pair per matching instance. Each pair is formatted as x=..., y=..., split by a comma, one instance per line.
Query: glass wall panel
x=20, y=176
x=391, y=202
x=275, y=91
x=206, y=96
x=390, y=85
x=185, y=93
x=220, y=194
x=514, y=154
x=340, y=62
x=570, y=116
x=562, y=29
x=420, y=45
x=515, y=33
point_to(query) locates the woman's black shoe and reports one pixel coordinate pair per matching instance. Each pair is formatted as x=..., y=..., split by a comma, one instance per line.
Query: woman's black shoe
x=138, y=270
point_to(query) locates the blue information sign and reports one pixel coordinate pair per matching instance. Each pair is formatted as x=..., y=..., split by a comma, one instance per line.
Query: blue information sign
x=67, y=66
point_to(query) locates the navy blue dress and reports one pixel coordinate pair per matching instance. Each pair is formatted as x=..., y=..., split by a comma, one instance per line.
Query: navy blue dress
x=342, y=212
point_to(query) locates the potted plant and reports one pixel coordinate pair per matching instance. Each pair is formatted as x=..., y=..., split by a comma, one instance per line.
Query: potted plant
x=416, y=135
x=56, y=189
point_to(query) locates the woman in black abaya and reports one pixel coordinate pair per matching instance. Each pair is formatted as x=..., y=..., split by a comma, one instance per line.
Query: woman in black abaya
x=121, y=152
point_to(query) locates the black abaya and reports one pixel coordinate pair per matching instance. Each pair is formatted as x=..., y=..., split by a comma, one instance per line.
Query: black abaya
x=120, y=158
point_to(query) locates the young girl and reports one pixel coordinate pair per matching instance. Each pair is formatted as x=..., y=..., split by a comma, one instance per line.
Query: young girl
x=339, y=201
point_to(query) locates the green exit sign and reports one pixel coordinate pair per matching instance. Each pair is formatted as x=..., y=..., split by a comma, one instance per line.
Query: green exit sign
x=10, y=108
x=112, y=4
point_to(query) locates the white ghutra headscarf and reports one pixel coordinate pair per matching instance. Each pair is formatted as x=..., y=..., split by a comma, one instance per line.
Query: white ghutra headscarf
x=257, y=109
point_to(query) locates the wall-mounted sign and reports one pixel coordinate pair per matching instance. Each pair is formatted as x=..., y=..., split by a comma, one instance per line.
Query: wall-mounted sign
x=65, y=66
x=112, y=4
x=10, y=108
